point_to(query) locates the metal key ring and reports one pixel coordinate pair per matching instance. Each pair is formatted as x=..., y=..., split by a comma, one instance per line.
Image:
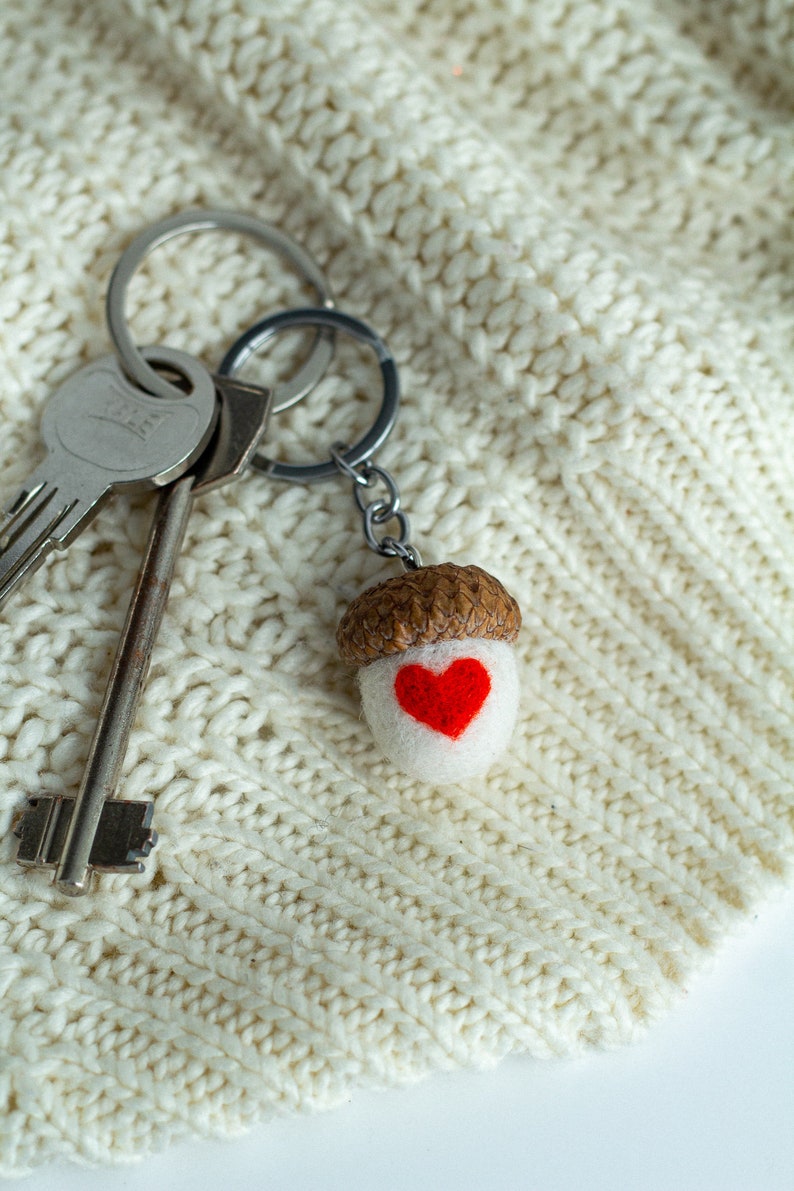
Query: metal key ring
x=365, y=448
x=135, y=365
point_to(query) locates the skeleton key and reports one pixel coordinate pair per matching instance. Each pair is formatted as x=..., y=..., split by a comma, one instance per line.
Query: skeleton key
x=95, y=831
x=103, y=434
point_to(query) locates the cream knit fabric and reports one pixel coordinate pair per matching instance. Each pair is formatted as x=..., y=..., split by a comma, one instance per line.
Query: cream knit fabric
x=573, y=224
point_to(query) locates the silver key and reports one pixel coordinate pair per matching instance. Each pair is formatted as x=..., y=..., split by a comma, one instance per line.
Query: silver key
x=103, y=434
x=95, y=831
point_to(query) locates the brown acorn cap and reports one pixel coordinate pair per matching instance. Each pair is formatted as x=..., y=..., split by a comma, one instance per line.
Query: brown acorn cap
x=445, y=602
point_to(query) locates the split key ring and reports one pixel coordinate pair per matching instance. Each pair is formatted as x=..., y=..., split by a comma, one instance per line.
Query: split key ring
x=133, y=361
x=331, y=321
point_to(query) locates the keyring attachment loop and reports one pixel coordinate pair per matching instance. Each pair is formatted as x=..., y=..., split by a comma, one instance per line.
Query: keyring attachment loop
x=133, y=362
x=334, y=320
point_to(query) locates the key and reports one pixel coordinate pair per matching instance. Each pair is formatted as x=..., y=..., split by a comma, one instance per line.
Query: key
x=103, y=434
x=95, y=831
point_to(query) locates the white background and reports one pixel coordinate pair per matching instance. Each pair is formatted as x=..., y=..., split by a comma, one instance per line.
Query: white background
x=705, y=1101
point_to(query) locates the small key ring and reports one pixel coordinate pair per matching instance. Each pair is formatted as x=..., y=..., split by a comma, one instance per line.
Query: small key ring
x=136, y=367
x=252, y=339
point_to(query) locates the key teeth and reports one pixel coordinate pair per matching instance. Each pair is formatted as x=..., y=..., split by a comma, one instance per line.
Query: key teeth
x=22, y=505
x=123, y=837
x=28, y=533
x=24, y=495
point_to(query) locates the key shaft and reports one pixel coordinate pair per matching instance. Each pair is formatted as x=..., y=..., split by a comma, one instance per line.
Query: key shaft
x=125, y=684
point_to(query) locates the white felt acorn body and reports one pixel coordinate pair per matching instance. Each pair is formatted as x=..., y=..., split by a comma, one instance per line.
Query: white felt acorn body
x=437, y=672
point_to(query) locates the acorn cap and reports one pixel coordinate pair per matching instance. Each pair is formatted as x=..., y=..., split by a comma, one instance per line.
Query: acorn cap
x=422, y=607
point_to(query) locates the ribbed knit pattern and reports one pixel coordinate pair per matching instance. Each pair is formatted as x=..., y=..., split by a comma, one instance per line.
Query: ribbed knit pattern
x=572, y=222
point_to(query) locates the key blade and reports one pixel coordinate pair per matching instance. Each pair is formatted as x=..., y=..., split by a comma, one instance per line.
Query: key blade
x=21, y=503
x=29, y=532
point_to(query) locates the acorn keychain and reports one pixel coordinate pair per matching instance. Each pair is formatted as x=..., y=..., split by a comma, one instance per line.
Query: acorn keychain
x=432, y=646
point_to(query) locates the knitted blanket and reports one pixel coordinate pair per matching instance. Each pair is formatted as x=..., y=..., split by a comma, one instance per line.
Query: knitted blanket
x=572, y=223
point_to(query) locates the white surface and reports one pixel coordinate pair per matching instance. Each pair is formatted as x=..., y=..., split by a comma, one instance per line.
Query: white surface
x=705, y=1101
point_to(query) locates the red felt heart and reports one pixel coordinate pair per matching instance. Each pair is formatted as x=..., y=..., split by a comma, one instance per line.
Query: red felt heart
x=446, y=702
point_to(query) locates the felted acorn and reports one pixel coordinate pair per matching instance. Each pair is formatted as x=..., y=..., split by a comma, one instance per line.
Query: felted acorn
x=436, y=669
x=438, y=677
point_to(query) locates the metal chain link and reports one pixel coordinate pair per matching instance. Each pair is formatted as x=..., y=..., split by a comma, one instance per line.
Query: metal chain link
x=366, y=477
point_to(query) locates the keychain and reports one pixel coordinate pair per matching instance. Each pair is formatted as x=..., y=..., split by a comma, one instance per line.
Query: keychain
x=433, y=646
x=437, y=673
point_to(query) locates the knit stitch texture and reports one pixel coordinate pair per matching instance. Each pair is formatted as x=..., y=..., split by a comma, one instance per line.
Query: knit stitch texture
x=572, y=223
